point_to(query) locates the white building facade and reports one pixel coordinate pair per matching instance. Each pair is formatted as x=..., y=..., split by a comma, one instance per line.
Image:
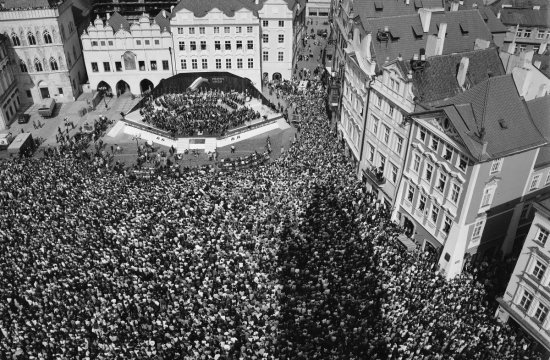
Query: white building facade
x=46, y=52
x=130, y=58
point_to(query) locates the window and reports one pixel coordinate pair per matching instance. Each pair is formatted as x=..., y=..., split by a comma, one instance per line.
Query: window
x=435, y=213
x=183, y=64
x=386, y=134
x=416, y=163
x=47, y=37
x=265, y=23
x=281, y=38
x=138, y=42
x=239, y=44
x=448, y=154
x=60, y=91
x=435, y=143
x=265, y=38
x=398, y=144
x=226, y=29
x=487, y=198
x=462, y=163
x=153, y=65
x=202, y=30
x=250, y=44
x=382, y=162
x=250, y=63
x=527, y=33
x=410, y=193
x=191, y=31
x=227, y=45
x=280, y=56
x=28, y=93
x=180, y=30
x=519, y=32
x=496, y=166
x=182, y=45
x=371, y=153
x=205, y=63
x=249, y=29
x=534, y=182
x=542, y=236
x=95, y=68
x=455, y=193
x=217, y=45
x=203, y=45
x=15, y=40
x=147, y=42
x=375, y=122
x=218, y=63
x=239, y=29
x=526, y=300
x=239, y=63
x=193, y=45
x=394, y=171
x=391, y=111
x=539, y=269
x=118, y=65
x=378, y=101
x=547, y=179
x=281, y=23
x=442, y=181
x=540, y=34
x=541, y=313
x=422, y=202
x=110, y=42
x=422, y=134
x=429, y=172
x=216, y=29
x=265, y=56
x=447, y=223
x=53, y=64
x=194, y=64
x=141, y=65
x=23, y=67
x=228, y=63
x=478, y=228
x=32, y=39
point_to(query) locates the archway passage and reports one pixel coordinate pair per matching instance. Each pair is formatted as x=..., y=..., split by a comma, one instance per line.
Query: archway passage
x=122, y=87
x=146, y=86
x=277, y=76
x=409, y=227
x=104, y=87
x=44, y=91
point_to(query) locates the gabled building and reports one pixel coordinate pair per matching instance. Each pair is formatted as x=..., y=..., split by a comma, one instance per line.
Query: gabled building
x=128, y=57
x=528, y=28
x=45, y=49
x=465, y=169
x=530, y=80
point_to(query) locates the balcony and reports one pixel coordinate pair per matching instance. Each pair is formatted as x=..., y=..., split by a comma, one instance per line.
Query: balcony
x=376, y=175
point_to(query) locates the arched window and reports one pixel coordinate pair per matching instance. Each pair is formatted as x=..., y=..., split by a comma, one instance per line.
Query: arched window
x=15, y=40
x=53, y=64
x=38, y=65
x=23, y=67
x=31, y=38
x=47, y=37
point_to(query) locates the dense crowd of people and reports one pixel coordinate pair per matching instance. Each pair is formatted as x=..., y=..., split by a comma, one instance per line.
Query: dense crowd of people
x=207, y=112
x=290, y=260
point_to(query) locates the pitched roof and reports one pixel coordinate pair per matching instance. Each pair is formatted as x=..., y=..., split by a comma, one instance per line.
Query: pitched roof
x=410, y=42
x=200, y=8
x=493, y=23
x=28, y=4
x=162, y=20
x=494, y=106
x=544, y=63
x=525, y=17
x=367, y=9
x=117, y=22
x=438, y=79
x=540, y=113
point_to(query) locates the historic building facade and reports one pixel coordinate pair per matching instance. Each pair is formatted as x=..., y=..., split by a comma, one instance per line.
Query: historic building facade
x=46, y=53
x=9, y=94
x=126, y=57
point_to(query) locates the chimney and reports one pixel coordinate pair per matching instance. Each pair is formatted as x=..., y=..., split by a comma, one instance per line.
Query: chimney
x=399, y=57
x=498, y=14
x=257, y=2
x=171, y=8
x=425, y=18
x=431, y=46
x=108, y=16
x=481, y=44
x=407, y=2
x=441, y=38
x=536, y=7
x=462, y=71
x=164, y=14
x=542, y=48
x=367, y=40
x=537, y=64
x=543, y=90
x=454, y=6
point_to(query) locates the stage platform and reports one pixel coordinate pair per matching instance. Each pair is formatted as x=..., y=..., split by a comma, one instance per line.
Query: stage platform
x=133, y=125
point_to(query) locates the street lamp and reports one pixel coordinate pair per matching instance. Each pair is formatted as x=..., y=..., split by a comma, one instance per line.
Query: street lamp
x=136, y=137
x=103, y=90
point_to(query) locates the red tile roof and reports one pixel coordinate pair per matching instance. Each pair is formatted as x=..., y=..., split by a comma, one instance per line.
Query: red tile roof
x=202, y=7
x=367, y=9
x=524, y=17
x=540, y=113
x=117, y=22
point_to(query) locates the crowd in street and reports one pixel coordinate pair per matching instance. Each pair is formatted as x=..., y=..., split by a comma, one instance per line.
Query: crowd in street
x=211, y=112
x=290, y=260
